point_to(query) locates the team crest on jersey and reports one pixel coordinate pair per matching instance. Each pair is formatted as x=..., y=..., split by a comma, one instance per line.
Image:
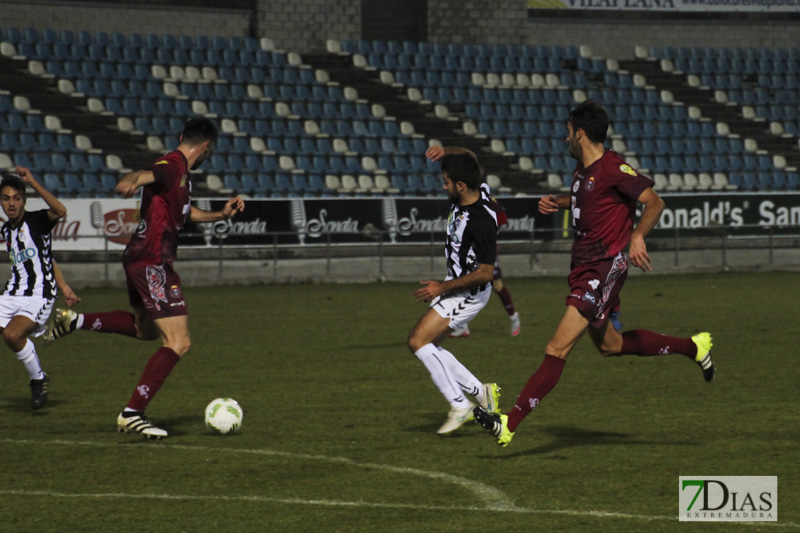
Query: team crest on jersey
x=590, y=184
x=628, y=170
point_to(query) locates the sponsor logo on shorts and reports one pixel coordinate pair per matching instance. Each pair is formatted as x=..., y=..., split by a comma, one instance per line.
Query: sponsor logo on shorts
x=594, y=284
x=588, y=297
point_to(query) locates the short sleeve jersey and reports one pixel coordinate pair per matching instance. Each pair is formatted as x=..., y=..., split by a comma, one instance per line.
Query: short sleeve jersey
x=486, y=193
x=471, y=238
x=29, y=249
x=165, y=207
x=603, y=203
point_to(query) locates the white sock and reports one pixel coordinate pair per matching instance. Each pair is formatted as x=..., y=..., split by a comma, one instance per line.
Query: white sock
x=429, y=355
x=31, y=361
x=464, y=378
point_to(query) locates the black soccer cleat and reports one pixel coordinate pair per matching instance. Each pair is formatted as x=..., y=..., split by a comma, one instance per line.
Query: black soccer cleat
x=39, y=392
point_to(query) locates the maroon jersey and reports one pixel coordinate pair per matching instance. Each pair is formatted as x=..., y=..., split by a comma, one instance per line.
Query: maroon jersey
x=603, y=203
x=165, y=206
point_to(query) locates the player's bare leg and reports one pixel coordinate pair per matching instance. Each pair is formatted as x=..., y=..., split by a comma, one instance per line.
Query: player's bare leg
x=569, y=331
x=174, y=332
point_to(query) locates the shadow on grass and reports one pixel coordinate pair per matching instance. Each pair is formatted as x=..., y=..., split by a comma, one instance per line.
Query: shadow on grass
x=563, y=437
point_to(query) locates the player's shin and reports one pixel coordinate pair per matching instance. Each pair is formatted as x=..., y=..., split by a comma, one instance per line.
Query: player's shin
x=645, y=343
x=538, y=386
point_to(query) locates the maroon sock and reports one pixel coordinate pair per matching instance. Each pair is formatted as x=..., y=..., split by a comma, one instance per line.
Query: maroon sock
x=155, y=372
x=508, y=303
x=643, y=342
x=539, y=384
x=121, y=322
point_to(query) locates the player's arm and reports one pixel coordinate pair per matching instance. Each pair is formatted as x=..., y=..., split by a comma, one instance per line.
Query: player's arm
x=653, y=206
x=435, y=153
x=552, y=203
x=133, y=181
x=56, y=210
x=66, y=291
x=482, y=275
x=232, y=207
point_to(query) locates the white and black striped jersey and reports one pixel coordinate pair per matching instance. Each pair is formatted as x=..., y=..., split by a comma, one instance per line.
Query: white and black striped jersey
x=28, y=247
x=471, y=238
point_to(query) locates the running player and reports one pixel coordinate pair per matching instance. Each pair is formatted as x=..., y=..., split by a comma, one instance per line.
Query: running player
x=154, y=288
x=498, y=286
x=31, y=291
x=470, y=249
x=604, y=194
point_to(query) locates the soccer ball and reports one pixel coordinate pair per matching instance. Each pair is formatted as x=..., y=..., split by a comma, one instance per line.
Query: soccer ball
x=224, y=416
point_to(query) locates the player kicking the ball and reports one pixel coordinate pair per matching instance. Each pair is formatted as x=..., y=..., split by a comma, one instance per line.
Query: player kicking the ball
x=470, y=249
x=154, y=288
x=604, y=194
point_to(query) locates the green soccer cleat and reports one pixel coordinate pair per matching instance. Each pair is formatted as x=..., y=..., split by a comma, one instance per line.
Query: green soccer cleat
x=64, y=323
x=703, y=357
x=491, y=397
x=136, y=422
x=455, y=419
x=494, y=423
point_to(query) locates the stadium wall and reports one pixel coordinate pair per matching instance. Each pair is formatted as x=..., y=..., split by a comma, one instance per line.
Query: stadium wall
x=304, y=25
x=126, y=18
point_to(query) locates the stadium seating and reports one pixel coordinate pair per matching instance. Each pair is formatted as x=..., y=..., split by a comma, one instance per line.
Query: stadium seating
x=281, y=117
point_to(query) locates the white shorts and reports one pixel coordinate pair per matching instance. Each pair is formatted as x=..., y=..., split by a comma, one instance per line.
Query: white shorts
x=461, y=307
x=33, y=307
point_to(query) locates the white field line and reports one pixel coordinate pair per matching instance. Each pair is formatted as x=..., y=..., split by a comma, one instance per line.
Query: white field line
x=491, y=498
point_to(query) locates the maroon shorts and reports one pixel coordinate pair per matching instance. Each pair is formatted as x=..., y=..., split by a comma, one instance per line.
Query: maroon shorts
x=594, y=288
x=157, y=288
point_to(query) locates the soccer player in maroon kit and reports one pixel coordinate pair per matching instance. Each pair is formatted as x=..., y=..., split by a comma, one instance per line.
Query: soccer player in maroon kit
x=604, y=194
x=154, y=288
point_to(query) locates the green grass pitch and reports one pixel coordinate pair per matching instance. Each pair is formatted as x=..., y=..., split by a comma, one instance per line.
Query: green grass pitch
x=340, y=418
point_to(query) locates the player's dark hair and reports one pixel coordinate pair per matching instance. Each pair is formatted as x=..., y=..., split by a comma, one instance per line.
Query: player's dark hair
x=463, y=167
x=16, y=183
x=592, y=118
x=199, y=130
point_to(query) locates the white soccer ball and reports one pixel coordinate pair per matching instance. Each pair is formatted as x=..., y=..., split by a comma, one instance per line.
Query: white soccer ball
x=224, y=416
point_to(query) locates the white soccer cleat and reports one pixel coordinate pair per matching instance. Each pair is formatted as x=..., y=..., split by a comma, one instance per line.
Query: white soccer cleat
x=490, y=399
x=136, y=422
x=515, y=325
x=456, y=418
x=460, y=332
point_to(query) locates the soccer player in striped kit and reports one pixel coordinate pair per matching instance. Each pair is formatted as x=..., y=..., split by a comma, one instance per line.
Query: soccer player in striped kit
x=31, y=291
x=470, y=248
